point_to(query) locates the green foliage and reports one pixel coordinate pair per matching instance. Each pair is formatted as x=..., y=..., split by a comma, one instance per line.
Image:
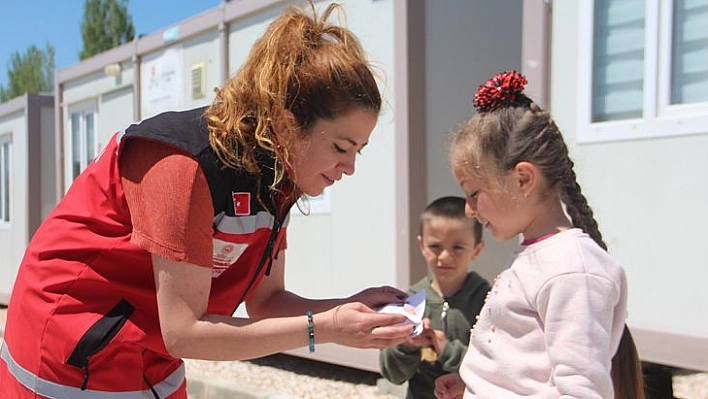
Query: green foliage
x=106, y=25
x=31, y=72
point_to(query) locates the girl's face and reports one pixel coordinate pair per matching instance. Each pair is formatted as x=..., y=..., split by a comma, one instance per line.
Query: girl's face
x=329, y=150
x=496, y=205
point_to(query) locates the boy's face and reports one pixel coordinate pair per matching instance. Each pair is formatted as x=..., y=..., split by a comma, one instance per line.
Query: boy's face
x=448, y=247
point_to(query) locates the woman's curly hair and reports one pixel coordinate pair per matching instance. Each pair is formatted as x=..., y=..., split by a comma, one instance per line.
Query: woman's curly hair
x=302, y=69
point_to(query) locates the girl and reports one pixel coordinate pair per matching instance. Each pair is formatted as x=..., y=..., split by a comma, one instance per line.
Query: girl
x=554, y=319
x=183, y=217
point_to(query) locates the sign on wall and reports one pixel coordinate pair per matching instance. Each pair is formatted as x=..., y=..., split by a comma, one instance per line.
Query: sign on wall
x=161, y=83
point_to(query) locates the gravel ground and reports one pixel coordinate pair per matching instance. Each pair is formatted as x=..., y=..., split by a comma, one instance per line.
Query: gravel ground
x=302, y=378
x=690, y=385
x=292, y=377
x=287, y=377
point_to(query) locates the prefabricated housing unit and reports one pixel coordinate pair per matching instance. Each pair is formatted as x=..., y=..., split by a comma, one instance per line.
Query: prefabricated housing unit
x=629, y=89
x=625, y=81
x=27, y=182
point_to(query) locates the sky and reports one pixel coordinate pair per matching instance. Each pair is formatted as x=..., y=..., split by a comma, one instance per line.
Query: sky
x=58, y=22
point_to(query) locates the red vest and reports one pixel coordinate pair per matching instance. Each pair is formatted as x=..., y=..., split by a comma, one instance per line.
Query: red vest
x=83, y=313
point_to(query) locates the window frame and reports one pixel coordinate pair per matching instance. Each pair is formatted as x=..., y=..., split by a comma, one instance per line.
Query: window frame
x=6, y=202
x=83, y=109
x=660, y=118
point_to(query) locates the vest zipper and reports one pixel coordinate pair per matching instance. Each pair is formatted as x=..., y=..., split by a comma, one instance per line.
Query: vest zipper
x=98, y=336
x=269, y=248
x=84, y=383
x=152, y=389
x=267, y=254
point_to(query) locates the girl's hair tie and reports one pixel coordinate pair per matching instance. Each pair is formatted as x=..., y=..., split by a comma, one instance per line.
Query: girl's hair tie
x=499, y=91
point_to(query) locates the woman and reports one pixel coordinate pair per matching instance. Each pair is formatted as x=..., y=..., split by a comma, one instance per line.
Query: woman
x=183, y=217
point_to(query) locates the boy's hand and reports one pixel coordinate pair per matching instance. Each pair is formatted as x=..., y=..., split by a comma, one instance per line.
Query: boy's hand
x=429, y=337
x=437, y=339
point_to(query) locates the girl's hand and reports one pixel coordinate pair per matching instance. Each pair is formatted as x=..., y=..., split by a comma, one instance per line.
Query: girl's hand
x=379, y=296
x=357, y=325
x=449, y=386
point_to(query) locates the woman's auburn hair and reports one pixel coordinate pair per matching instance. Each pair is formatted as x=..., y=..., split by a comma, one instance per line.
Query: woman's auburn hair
x=302, y=69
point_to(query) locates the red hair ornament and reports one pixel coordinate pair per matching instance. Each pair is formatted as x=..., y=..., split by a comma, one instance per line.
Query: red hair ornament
x=499, y=91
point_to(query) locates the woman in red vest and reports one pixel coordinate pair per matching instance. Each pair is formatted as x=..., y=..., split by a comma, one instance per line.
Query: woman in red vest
x=183, y=216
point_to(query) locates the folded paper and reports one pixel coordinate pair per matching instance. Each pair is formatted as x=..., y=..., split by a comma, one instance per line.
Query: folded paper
x=413, y=309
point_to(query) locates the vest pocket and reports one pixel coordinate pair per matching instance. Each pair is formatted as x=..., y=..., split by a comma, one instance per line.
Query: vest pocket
x=98, y=336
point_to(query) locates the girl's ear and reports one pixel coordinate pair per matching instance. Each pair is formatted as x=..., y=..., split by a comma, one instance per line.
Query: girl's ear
x=527, y=177
x=477, y=249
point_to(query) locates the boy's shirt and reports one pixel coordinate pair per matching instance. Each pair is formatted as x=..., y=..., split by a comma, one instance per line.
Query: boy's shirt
x=403, y=363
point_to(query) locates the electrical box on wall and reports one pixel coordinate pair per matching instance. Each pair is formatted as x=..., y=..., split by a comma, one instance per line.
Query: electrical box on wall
x=198, y=84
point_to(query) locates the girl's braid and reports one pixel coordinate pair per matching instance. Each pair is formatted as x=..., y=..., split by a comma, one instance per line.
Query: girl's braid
x=577, y=206
x=551, y=148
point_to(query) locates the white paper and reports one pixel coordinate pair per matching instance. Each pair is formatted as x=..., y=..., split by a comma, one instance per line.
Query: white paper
x=413, y=309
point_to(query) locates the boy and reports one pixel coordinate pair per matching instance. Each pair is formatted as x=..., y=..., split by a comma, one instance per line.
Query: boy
x=449, y=241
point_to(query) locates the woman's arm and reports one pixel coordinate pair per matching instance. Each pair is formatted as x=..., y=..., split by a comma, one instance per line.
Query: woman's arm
x=271, y=299
x=188, y=331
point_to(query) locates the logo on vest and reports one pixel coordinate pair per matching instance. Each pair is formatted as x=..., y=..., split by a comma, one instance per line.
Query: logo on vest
x=225, y=254
x=242, y=203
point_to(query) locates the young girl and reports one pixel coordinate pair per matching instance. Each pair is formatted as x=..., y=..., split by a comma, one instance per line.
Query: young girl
x=554, y=319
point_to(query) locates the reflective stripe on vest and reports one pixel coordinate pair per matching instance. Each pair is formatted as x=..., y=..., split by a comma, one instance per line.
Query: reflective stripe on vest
x=245, y=224
x=50, y=389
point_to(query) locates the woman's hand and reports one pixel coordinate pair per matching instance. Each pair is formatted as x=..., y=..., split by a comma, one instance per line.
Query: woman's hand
x=379, y=296
x=357, y=325
x=449, y=386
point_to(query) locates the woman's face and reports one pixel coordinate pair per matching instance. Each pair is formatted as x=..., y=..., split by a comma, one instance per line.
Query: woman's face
x=329, y=150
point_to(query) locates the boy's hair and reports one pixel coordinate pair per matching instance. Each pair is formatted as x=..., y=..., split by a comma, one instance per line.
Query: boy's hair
x=450, y=207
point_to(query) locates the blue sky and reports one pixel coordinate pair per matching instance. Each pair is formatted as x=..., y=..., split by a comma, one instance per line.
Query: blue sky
x=58, y=22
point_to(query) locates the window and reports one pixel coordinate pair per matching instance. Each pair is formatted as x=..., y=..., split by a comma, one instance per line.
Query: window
x=83, y=139
x=5, y=173
x=618, y=60
x=689, y=52
x=646, y=70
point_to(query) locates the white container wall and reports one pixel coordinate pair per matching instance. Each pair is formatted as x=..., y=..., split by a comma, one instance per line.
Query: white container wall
x=643, y=176
x=27, y=183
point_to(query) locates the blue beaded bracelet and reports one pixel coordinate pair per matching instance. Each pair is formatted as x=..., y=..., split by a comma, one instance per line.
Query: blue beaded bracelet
x=310, y=330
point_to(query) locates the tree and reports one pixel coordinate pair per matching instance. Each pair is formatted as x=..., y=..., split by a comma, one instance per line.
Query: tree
x=31, y=72
x=106, y=25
